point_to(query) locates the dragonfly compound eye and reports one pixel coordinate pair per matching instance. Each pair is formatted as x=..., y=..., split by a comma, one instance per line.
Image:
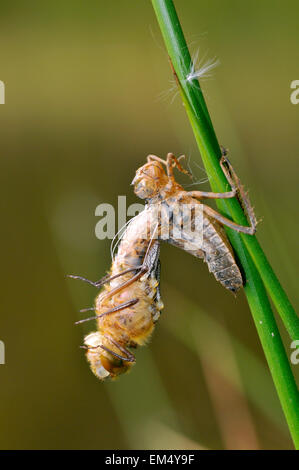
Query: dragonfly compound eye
x=94, y=354
x=103, y=362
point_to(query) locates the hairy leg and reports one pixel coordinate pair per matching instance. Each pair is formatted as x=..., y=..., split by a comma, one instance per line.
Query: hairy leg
x=104, y=279
x=236, y=190
x=118, y=308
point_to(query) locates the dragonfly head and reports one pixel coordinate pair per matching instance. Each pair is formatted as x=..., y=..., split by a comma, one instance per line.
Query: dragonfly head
x=104, y=364
x=149, y=180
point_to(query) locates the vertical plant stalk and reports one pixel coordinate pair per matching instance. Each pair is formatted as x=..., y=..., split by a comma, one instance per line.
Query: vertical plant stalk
x=250, y=254
x=211, y=152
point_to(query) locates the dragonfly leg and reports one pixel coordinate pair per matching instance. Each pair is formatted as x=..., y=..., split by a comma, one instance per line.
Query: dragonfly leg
x=210, y=195
x=236, y=190
x=145, y=267
x=127, y=283
x=235, y=183
x=128, y=357
x=229, y=223
x=118, y=308
x=170, y=162
x=104, y=279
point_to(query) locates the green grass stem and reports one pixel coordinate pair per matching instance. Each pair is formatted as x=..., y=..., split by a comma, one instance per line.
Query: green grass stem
x=258, y=272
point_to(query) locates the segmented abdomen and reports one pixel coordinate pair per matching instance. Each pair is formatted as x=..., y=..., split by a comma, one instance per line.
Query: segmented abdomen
x=219, y=256
x=211, y=243
x=134, y=323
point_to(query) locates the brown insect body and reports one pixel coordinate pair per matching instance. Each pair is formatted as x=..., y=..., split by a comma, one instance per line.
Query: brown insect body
x=107, y=349
x=129, y=305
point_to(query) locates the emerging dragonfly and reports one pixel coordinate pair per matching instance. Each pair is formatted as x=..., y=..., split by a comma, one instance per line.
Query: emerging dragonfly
x=130, y=303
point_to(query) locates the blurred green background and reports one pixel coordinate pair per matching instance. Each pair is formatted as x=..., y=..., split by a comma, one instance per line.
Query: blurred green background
x=83, y=109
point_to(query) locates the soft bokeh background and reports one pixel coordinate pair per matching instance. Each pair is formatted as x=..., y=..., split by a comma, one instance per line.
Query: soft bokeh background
x=83, y=109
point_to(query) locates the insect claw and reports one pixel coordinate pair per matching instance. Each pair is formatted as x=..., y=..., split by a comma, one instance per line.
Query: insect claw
x=224, y=151
x=118, y=308
x=82, y=321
